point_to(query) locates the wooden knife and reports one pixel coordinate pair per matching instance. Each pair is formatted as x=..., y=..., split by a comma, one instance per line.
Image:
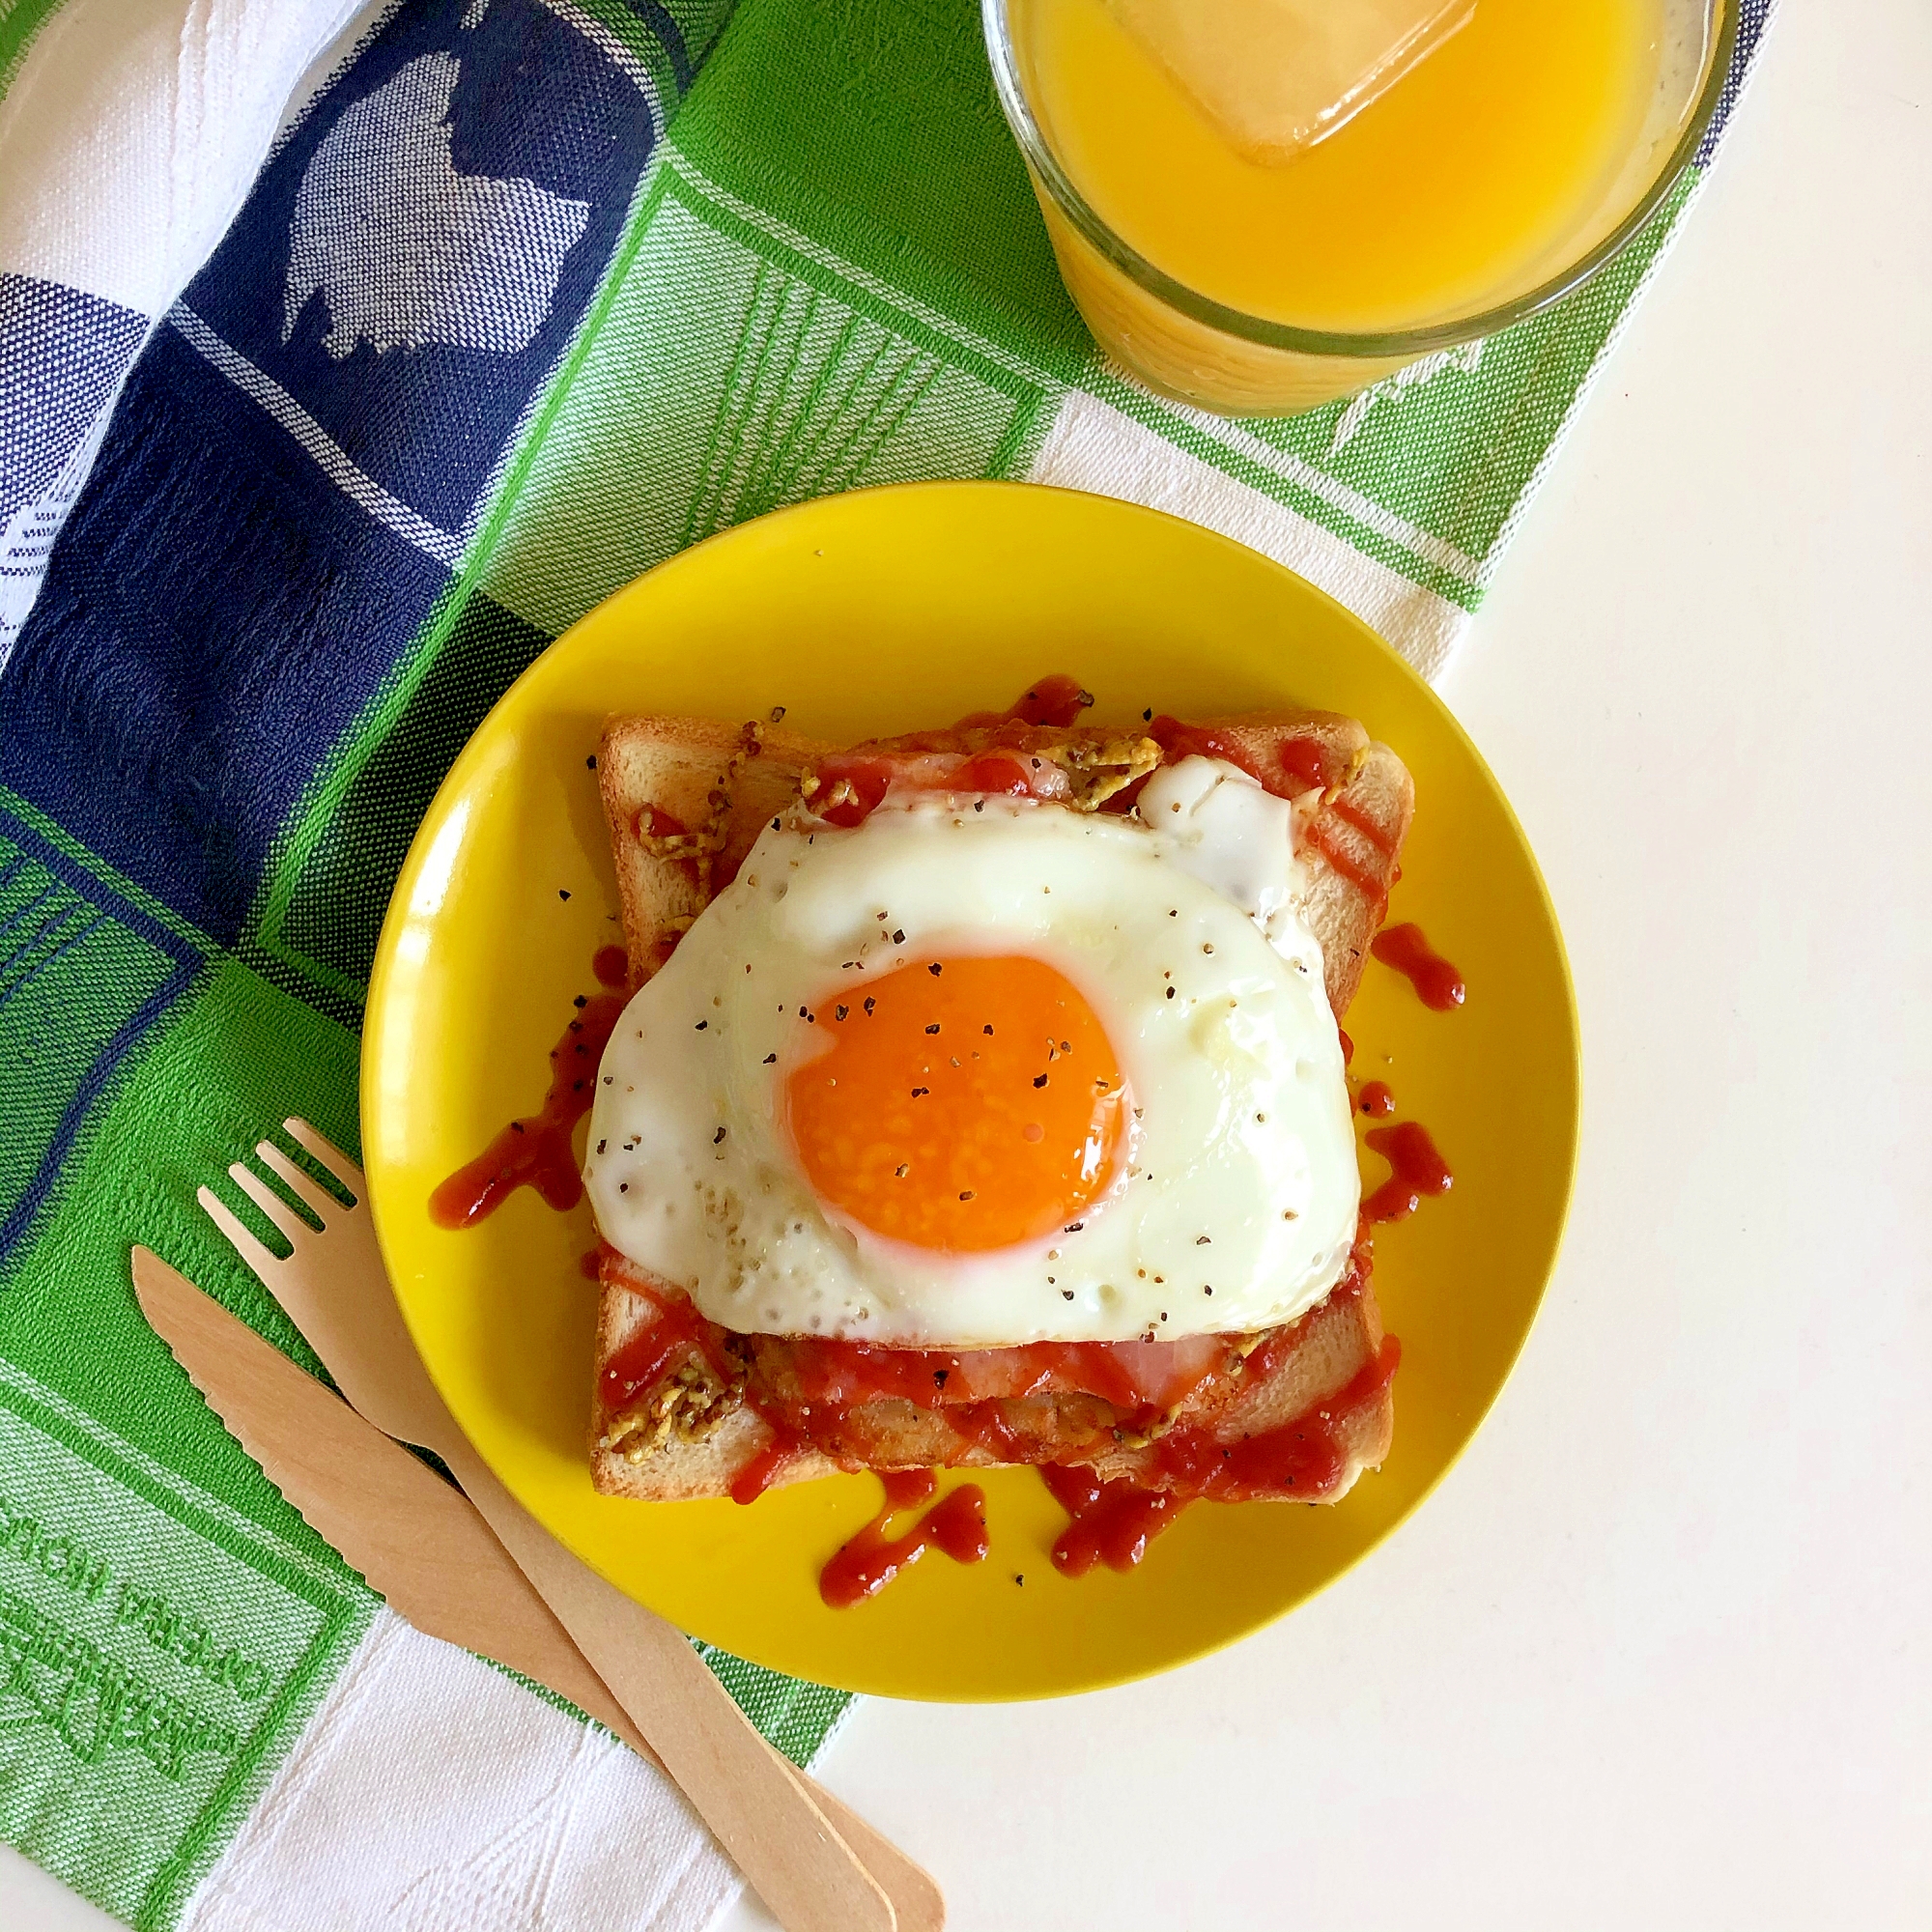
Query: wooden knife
x=416, y=1539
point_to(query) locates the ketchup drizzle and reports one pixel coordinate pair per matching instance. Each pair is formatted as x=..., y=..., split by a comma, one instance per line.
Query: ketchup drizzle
x=677, y=1330
x=1438, y=985
x=1179, y=741
x=869, y=780
x=994, y=752
x=1113, y=1523
x=770, y=1463
x=832, y=1372
x=1375, y=1099
x=866, y=1565
x=535, y=1152
x=1419, y=1170
x=1363, y=877
x=983, y=1425
x=1056, y=699
x=1310, y=763
x=1350, y=813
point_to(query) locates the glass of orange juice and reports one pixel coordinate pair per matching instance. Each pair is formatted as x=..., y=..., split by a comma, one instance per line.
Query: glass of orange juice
x=1495, y=175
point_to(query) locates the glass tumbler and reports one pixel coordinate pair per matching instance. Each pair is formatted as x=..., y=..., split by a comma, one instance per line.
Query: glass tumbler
x=1188, y=347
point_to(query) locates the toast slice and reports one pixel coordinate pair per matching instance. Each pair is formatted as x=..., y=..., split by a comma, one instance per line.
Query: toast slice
x=685, y=800
x=692, y=1433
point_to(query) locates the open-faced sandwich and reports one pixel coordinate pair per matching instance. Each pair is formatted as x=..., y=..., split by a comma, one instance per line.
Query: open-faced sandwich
x=982, y=1101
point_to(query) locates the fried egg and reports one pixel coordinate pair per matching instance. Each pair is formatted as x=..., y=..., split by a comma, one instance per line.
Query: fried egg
x=981, y=1073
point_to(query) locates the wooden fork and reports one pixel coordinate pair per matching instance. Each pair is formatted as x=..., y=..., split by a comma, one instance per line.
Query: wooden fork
x=817, y=1866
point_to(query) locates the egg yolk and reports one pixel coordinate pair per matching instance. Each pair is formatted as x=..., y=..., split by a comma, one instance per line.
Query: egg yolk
x=959, y=1105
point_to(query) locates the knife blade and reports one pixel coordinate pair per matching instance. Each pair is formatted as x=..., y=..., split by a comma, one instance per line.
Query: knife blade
x=418, y=1542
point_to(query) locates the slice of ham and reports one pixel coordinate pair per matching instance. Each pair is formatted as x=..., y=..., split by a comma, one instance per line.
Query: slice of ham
x=1132, y=1376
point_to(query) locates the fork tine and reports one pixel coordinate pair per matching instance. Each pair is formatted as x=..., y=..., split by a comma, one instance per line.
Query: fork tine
x=299, y=1185
x=272, y=1204
x=330, y=1156
x=258, y=1257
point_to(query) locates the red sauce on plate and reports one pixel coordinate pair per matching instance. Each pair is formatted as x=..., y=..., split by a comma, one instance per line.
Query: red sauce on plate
x=535, y=1152
x=1375, y=1099
x=1058, y=700
x=956, y=1525
x=1113, y=1523
x=1419, y=1170
x=1438, y=985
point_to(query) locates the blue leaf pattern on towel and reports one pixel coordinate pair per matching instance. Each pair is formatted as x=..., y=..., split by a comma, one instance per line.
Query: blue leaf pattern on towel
x=406, y=251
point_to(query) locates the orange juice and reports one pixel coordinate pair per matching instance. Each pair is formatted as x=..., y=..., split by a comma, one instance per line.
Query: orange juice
x=1477, y=176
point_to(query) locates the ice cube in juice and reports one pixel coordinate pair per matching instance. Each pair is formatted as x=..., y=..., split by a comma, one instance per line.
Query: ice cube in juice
x=1275, y=77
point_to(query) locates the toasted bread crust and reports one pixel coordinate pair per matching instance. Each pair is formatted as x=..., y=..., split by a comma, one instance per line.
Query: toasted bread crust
x=718, y=782
x=685, y=799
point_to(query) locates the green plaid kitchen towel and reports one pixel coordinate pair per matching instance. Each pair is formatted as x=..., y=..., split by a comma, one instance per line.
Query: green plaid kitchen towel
x=347, y=356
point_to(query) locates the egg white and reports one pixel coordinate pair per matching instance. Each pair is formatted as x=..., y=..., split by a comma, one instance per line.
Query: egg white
x=1236, y=1204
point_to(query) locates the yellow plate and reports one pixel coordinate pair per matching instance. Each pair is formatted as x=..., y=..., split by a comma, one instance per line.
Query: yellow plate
x=884, y=612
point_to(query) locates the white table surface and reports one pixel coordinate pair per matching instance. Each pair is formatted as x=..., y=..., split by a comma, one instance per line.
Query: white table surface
x=1656, y=1653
